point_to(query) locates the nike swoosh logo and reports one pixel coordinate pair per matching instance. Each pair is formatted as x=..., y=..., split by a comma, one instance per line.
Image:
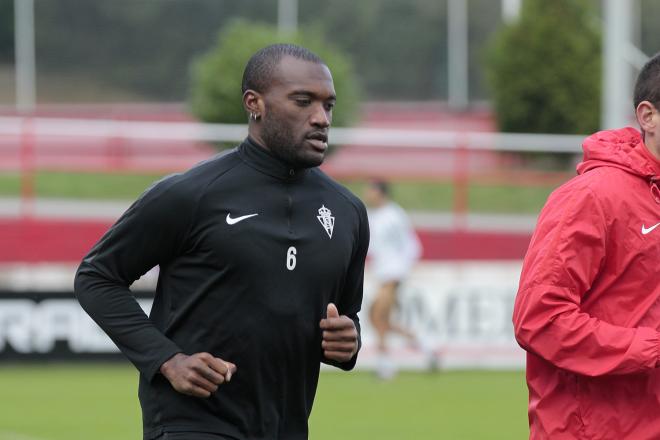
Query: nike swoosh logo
x=647, y=230
x=233, y=221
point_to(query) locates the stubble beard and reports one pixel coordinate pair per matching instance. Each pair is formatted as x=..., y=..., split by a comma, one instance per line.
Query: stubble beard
x=278, y=136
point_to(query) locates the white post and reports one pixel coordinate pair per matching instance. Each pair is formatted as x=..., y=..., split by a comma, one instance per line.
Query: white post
x=287, y=16
x=457, y=16
x=511, y=10
x=617, y=75
x=26, y=90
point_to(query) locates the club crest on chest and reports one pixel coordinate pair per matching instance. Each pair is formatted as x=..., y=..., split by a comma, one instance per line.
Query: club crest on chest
x=326, y=219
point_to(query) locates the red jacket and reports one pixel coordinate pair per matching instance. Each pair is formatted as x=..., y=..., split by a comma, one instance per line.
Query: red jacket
x=588, y=305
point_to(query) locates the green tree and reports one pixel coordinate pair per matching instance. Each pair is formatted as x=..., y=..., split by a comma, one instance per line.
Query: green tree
x=399, y=45
x=545, y=69
x=216, y=86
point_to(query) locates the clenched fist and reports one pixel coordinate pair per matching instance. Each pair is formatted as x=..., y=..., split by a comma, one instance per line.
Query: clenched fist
x=340, y=337
x=197, y=375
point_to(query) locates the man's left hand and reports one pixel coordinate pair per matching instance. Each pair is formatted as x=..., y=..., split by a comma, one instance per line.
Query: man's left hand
x=340, y=337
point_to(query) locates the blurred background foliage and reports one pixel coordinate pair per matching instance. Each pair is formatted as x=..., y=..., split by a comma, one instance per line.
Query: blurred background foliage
x=216, y=84
x=142, y=50
x=545, y=77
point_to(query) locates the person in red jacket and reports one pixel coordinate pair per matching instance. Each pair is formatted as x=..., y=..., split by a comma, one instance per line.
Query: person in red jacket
x=588, y=305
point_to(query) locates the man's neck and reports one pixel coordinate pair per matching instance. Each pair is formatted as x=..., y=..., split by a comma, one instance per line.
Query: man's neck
x=256, y=139
x=651, y=143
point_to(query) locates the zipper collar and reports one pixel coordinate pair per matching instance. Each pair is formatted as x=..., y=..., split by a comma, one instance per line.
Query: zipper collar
x=266, y=162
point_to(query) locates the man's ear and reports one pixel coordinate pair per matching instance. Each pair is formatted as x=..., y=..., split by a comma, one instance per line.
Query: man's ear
x=645, y=113
x=253, y=104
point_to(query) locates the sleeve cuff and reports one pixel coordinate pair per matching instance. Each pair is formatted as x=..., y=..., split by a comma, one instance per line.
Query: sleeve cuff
x=154, y=368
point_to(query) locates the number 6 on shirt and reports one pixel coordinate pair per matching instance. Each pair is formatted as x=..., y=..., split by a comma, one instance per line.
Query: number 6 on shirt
x=291, y=258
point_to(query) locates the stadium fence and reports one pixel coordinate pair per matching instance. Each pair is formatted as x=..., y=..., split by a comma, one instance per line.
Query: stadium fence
x=31, y=144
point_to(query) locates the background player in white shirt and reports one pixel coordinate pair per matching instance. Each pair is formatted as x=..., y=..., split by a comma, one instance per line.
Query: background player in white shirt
x=394, y=249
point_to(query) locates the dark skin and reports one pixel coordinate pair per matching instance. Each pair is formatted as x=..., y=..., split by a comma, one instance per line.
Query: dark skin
x=197, y=375
x=340, y=337
x=291, y=119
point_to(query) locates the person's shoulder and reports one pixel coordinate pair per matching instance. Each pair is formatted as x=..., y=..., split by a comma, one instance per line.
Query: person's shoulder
x=592, y=195
x=189, y=185
x=213, y=168
x=340, y=190
x=602, y=184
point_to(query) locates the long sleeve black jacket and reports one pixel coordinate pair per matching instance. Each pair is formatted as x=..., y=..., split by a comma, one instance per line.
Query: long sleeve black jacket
x=250, y=254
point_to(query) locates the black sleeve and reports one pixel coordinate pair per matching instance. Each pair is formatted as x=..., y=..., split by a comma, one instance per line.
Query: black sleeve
x=151, y=232
x=350, y=302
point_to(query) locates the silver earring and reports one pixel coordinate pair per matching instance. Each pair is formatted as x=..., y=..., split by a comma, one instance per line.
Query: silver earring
x=253, y=116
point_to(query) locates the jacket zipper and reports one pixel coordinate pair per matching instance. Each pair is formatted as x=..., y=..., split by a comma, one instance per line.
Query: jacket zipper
x=289, y=211
x=289, y=206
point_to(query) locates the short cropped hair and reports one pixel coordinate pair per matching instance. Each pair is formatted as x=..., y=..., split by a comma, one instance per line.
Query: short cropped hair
x=258, y=73
x=382, y=186
x=647, y=86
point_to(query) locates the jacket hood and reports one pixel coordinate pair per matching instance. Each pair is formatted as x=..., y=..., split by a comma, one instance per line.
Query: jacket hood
x=624, y=149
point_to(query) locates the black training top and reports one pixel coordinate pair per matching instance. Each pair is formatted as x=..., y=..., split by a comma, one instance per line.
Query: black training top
x=251, y=252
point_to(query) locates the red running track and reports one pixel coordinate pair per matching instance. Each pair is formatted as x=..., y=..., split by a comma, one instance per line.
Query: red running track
x=36, y=241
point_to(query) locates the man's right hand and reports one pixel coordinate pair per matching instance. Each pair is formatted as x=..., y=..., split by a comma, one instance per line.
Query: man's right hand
x=197, y=375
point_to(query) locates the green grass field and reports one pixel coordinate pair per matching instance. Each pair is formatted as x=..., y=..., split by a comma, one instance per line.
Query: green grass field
x=99, y=401
x=415, y=195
